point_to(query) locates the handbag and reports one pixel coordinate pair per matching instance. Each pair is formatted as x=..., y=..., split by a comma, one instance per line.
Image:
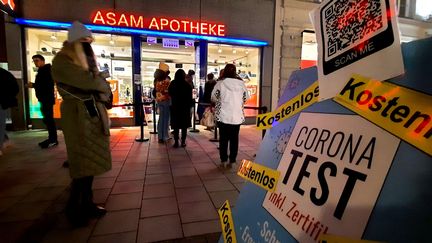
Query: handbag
x=208, y=119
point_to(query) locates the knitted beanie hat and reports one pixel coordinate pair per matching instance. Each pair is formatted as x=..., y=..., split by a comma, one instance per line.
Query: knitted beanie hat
x=78, y=31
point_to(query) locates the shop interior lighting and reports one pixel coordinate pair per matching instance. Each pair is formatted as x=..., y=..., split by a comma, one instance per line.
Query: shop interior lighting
x=111, y=41
x=247, y=51
x=53, y=36
x=234, y=51
x=124, y=30
x=219, y=49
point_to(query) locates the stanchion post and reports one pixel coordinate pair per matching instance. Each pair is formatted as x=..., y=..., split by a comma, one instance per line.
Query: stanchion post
x=141, y=118
x=154, y=117
x=193, y=120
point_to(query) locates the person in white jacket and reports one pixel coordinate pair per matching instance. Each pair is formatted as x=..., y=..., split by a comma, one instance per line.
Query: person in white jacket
x=230, y=95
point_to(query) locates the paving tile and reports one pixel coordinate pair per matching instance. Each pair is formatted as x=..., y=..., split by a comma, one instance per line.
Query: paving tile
x=10, y=232
x=24, y=211
x=128, y=187
x=124, y=201
x=112, y=173
x=158, y=169
x=117, y=222
x=159, y=228
x=158, y=179
x=133, y=167
x=127, y=237
x=100, y=195
x=43, y=194
x=131, y=175
x=158, y=207
x=17, y=190
x=234, y=178
x=197, y=211
x=218, y=185
x=159, y=190
x=218, y=198
x=191, y=194
x=187, y=181
x=201, y=228
x=188, y=171
x=103, y=183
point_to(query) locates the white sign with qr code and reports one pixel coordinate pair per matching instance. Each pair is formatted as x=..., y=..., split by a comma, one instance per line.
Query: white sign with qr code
x=356, y=36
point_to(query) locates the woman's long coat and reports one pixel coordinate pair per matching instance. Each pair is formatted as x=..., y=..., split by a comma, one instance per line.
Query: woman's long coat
x=87, y=138
x=181, y=103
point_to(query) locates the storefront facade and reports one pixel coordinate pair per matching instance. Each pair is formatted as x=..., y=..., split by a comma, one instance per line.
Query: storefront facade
x=132, y=37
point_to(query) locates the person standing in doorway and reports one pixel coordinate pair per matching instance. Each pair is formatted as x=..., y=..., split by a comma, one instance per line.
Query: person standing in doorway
x=163, y=100
x=44, y=89
x=230, y=95
x=181, y=101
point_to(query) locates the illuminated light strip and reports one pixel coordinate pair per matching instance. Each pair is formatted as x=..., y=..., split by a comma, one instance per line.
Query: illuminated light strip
x=123, y=30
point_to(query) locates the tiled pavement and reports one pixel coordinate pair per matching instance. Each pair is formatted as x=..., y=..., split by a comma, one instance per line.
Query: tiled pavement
x=153, y=193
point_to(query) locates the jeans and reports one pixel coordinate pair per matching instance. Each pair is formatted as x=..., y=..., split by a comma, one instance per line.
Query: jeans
x=48, y=119
x=228, y=133
x=2, y=126
x=164, y=118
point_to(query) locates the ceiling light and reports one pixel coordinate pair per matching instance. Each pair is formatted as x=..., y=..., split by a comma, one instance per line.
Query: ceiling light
x=53, y=36
x=234, y=51
x=247, y=51
x=111, y=41
x=220, y=50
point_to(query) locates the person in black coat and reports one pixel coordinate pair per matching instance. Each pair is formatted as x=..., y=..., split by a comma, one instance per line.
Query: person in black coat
x=44, y=88
x=181, y=101
x=9, y=90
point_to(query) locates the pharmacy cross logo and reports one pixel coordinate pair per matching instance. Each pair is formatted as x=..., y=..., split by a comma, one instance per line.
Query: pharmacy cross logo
x=9, y=3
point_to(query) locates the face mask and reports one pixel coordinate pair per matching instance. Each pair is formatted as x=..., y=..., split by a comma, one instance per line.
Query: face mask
x=87, y=49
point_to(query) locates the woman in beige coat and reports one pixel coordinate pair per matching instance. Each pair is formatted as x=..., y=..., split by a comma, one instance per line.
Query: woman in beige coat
x=84, y=121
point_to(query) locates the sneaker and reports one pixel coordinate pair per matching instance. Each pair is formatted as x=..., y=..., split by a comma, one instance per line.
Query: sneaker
x=48, y=144
x=183, y=144
x=223, y=164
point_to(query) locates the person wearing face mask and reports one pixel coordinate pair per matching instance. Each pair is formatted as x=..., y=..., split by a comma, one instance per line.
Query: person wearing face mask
x=85, y=122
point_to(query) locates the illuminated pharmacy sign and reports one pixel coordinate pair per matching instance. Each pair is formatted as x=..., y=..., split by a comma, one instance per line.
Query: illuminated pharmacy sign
x=111, y=18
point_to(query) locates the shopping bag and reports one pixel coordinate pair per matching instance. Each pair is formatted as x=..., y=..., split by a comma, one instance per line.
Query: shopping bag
x=208, y=119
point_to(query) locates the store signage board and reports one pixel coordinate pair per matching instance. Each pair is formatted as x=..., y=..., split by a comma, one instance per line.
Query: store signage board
x=384, y=196
x=170, y=43
x=151, y=40
x=111, y=18
x=362, y=37
x=189, y=43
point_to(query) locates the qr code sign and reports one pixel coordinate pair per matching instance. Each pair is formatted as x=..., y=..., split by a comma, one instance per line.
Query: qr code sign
x=350, y=22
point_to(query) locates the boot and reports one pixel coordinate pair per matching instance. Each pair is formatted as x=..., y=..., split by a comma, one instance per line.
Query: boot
x=176, y=144
x=183, y=143
x=74, y=210
x=91, y=209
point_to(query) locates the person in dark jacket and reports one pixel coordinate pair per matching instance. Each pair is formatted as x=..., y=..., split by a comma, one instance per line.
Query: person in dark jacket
x=208, y=87
x=8, y=99
x=44, y=88
x=181, y=101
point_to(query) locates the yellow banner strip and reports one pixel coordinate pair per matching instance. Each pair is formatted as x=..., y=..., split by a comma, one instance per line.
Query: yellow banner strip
x=340, y=239
x=227, y=223
x=260, y=175
x=290, y=108
x=403, y=112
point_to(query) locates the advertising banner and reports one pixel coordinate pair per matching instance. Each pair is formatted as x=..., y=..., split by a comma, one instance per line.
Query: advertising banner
x=356, y=37
x=326, y=169
x=343, y=172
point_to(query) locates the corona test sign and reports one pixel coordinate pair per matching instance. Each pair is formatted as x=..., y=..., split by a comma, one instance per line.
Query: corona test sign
x=111, y=18
x=331, y=175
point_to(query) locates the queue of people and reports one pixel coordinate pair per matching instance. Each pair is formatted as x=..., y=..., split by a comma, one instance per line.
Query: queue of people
x=85, y=122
